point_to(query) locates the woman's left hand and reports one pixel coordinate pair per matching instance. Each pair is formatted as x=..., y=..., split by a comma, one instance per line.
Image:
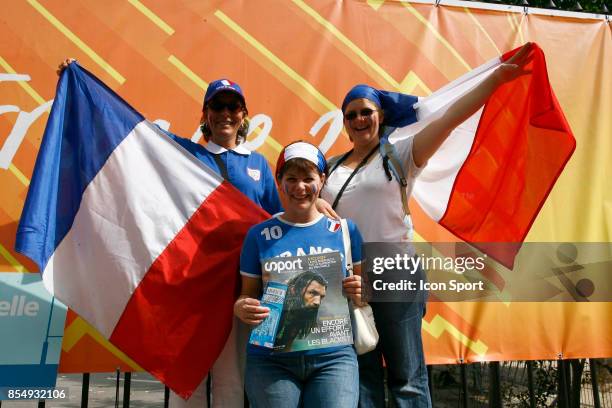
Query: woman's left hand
x=326, y=209
x=515, y=66
x=352, y=288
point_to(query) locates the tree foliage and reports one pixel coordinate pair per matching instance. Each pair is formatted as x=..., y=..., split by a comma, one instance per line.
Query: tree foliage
x=590, y=6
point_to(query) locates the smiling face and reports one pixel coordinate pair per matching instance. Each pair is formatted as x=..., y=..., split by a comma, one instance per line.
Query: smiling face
x=224, y=114
x=300, y=186
x=362, y=120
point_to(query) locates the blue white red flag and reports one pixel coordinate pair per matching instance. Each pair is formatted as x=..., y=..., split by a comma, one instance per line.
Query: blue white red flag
x=490, y=178
x=125, y=227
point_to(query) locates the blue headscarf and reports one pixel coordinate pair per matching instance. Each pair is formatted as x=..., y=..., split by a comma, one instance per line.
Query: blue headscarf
x=398, y=108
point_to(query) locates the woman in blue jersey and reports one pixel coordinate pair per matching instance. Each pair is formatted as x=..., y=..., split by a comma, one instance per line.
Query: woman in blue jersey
x=313, y=378
x=224, y=125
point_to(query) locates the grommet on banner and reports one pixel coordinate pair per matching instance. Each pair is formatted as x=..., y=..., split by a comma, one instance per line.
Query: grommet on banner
x=525, y=5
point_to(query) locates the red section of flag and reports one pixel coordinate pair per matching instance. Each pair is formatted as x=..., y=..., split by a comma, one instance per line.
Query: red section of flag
x=521, y=146
x=178, y=319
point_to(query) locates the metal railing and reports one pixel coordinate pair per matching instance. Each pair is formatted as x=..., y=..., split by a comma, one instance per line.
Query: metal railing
x=561, y=383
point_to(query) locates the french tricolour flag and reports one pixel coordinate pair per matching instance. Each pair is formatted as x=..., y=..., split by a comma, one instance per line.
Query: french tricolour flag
x=488, y=181
x=134, y=233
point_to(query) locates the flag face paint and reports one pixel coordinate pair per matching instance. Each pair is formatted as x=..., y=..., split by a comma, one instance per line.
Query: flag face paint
x=314, y=188
x=294, y=181
x=133, y=240
x=285, y=187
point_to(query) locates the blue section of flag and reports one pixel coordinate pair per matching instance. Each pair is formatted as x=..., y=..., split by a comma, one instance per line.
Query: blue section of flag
x=87, y=122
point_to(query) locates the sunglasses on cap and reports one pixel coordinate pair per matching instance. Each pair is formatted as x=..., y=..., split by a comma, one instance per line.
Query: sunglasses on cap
x=219, y=106
x=365, y=113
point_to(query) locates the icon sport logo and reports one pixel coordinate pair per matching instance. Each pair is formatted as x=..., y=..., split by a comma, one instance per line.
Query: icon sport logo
x=333, y=225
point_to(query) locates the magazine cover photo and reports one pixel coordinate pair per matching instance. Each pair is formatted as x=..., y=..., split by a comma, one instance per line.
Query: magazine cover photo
x=307, y=307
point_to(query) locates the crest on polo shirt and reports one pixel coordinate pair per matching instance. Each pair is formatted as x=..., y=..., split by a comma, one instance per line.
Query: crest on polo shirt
x=254, y=174
x=333, y=225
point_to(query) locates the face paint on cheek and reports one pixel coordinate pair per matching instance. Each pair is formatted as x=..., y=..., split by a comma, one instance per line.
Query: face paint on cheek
x=314, y=188
x=285, y=187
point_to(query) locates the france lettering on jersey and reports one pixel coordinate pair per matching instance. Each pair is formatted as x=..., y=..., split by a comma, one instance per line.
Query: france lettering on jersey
x=277, y=237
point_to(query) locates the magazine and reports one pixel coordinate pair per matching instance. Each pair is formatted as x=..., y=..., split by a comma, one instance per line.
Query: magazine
x=307, y=307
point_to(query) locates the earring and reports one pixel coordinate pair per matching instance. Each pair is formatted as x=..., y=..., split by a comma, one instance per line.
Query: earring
x=205, y=128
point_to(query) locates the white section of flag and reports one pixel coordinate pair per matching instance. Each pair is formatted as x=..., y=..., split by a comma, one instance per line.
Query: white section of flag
x=133, y=208
x=434, y=185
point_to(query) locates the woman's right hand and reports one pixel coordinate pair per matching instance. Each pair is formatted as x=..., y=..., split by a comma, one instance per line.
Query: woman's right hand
x=61, y=67
x=249, y=311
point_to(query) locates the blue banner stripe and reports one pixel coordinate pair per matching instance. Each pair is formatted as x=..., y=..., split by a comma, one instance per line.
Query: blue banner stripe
x=28, y=375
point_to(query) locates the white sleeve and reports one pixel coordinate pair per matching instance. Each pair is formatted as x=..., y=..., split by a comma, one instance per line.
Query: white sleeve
x=403, y=147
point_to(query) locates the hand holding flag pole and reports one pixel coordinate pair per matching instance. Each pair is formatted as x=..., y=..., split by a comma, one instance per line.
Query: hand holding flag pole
x=431, y=137
x=516, y=65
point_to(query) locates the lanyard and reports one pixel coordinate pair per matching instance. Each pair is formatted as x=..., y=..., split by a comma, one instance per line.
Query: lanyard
x=348, y=180
x=221, y=165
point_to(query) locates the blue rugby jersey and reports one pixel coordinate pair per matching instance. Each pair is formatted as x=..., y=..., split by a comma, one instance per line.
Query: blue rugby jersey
x=277, y=238
x=248, y=171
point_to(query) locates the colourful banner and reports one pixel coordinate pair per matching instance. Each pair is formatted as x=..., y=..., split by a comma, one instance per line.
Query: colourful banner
x=295, y=61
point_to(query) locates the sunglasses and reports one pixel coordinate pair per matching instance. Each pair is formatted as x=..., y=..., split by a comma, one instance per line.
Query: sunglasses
x=364, y=113
x=219, y=106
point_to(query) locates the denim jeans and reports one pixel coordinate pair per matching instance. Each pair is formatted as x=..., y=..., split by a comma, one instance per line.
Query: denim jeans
x=322, y=380
x=399, y=327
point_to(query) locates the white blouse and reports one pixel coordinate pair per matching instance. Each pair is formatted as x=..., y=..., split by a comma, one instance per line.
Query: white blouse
x=372, y=201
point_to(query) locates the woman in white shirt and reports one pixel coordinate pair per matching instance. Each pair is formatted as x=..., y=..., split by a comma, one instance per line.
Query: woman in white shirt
x=361, y=187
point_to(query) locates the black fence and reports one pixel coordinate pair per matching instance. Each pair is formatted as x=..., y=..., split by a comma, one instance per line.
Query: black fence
x=561, y=383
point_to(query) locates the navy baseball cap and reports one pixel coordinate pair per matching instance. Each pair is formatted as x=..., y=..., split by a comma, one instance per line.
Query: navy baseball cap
x=222, y=85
